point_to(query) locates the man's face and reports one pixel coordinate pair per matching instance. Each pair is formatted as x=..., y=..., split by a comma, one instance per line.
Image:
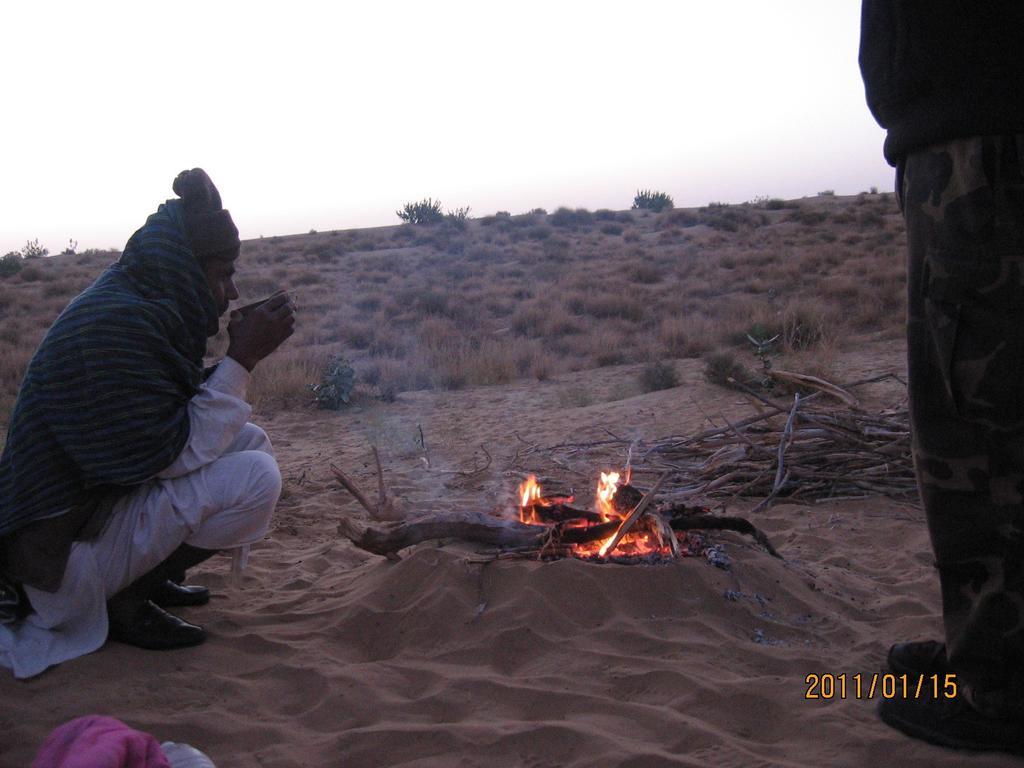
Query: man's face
x=220, y=276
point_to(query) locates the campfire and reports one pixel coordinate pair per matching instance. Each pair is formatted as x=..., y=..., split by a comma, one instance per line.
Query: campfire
x=633, y=532
x=625, y=525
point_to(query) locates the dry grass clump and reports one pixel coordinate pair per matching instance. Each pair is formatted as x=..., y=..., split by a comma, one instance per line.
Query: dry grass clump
x=658, y=375
x=512, y=296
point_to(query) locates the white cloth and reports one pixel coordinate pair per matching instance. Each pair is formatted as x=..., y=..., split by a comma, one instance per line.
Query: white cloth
x=218, y=494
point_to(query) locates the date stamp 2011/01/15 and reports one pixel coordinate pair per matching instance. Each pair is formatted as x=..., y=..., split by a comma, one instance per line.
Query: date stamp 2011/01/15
x=873, y=685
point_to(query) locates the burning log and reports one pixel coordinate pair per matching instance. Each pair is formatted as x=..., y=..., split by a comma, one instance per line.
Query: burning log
x=556, y=509
x=632, y=517
x=387, y=538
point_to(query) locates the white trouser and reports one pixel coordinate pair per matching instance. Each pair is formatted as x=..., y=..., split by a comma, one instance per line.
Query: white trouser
x=222, y=505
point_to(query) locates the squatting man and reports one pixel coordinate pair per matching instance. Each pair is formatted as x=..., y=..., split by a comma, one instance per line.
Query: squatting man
x=126, y=462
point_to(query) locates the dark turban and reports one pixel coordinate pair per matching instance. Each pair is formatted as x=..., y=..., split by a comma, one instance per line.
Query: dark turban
x=210, y=230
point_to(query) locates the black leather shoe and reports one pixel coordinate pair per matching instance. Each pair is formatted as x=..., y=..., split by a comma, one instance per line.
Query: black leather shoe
x=926, y=657
x=170, y=594
x=146, y=625
x=952, y=723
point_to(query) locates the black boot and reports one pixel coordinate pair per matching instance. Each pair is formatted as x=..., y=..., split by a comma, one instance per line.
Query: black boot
x=136, y=620
x=146, y=625
x=172, y=592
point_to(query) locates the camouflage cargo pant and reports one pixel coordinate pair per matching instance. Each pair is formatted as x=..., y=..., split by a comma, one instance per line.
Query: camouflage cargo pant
x=964, y=207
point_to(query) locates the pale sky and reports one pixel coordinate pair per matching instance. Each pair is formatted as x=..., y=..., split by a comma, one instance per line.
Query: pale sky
x=317, y=115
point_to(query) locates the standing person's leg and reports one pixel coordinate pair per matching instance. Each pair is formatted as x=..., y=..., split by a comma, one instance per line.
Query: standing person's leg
x=964, y=206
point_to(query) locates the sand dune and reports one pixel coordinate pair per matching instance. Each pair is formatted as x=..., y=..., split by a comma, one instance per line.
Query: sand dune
x=327, y=656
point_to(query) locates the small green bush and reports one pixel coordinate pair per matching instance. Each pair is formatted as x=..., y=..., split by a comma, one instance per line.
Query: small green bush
x=649, y=200
x=335, y=387
x=426, y=211
x=658, y=375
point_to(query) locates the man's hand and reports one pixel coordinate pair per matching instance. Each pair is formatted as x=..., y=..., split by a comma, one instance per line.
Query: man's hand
x=260, y=330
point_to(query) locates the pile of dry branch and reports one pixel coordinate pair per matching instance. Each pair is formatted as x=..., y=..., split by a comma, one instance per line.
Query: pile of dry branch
x=809, y=451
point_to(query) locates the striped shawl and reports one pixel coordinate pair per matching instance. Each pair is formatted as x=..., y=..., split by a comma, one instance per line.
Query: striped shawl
x=103, y=405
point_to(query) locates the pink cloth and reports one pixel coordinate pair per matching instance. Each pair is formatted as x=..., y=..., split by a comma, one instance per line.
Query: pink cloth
x=99, y=742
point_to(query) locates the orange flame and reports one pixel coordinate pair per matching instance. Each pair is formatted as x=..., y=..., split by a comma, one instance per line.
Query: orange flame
x=606, y=489
x=529, y=493
x=642, y=540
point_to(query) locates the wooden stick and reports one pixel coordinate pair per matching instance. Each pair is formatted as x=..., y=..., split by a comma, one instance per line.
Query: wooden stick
x=784, y=442
x=820, y=384
x=632, y=517
x=388, y=538
x=665, y=533
x=353, y=489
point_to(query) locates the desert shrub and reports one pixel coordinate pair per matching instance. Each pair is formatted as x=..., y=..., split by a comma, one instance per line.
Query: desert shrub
x=609, y=305
x=10, y=264
x=402, y=234
x=649, y=200
x=55, y=289
x=336, y=384
x=33, y=250
x=604, y=214
x=611, y=228
x=804, y=325
x=685, y=336
x=426, y=211
x=457, y=218
x=720, y=367
x=807, y=216
x=870, y=217
x=722, y=217
x=827, y=193
x=30, y=274
x=566, y=217
x=775, y=204
x=658, y=374
x=643, y=272
x=680, y=218
x=539, y=212
x=435, y=302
